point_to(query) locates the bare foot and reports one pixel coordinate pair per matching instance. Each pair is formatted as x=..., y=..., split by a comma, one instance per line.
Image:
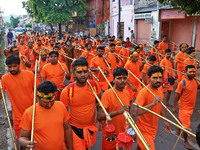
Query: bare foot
x=188, y=146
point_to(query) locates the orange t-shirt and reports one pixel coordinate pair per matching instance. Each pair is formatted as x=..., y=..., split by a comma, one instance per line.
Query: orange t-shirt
x=89, y=58
x=144, y=70
x=118, y=49
x=82, y=105
x=61, y=58
x=135, y=69
x=111, y=103
x=22, y=49
x=148, y=123
x=124, y=52
x=107, y=49
x=54, y=73
x=162, y=47
x=48, y=129
x=99, y=61
x=22, y=65
x=188, y=97
x=112, y=60
x=42, y=63
x=20, y=91
x=153, y=50
x=180, y=65
x=167, y=62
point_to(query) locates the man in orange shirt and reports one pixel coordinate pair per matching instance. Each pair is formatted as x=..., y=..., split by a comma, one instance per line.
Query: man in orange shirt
x=61, y=52
x=19, y=85
x=24, y=63
x=179, y=59
x=48, y=133
x=151, y=61
x=186, y=94
x=163, y=45
x=155, y=50
x=54, y=71
x=134, y=86
x=96, y=42
x=22, y=47
x=30, y=54
x=99, y=61
x=80, y=100
x=124, y=52
x=118, y=47
x=88, y=53
x=113, y=37
x=42, y=63
x=147, y=122
x=113, y=60
x=168, y=76
x=114, y=107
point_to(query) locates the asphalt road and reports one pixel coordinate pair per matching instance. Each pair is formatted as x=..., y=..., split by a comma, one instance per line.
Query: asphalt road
x=164, y=140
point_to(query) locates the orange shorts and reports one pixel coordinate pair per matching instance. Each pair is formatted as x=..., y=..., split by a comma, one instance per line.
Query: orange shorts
x=150, y=140
x=80, y=144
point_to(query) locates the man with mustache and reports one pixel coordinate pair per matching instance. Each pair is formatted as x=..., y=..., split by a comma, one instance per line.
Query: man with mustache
x=186, y=94
x=78, y=96
x=147, y=122
x=19, y=85
x=114, y=107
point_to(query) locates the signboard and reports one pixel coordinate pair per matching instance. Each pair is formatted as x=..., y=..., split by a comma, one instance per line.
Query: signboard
x=153, y=37
x=172, y=14
x=143, y=16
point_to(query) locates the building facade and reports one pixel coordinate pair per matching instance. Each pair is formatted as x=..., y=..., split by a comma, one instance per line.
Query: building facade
x=127, y=17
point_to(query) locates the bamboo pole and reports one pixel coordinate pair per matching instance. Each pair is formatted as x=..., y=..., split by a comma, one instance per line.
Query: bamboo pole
x=98, y=99
x=154, y=96
x=180, y=72
x=34, y=102
x=127, y=116
x=8, y=117
x=167, y=120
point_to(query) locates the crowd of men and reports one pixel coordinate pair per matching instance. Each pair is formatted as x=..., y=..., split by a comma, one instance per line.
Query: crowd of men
x=65, y=115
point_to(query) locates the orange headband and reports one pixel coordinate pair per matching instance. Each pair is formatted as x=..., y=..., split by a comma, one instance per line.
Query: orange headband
x=81, y=68
x=192, y=69
x=157, y=74
x=121, y=76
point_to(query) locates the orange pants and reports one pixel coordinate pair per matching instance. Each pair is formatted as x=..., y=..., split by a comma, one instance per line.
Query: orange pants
x=150, y=140
x=184, y=116
x=80, y=144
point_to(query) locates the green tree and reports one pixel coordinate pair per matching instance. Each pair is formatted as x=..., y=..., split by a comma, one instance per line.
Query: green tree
x=14, y=21
x=7, y=24
x=189, y=6
x=55, y=11
x=28, y=25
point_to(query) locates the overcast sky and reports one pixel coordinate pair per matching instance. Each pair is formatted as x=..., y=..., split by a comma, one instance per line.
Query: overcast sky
x=12, y=7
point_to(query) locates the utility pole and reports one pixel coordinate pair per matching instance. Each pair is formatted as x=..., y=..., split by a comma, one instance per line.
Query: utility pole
x=119, y=18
